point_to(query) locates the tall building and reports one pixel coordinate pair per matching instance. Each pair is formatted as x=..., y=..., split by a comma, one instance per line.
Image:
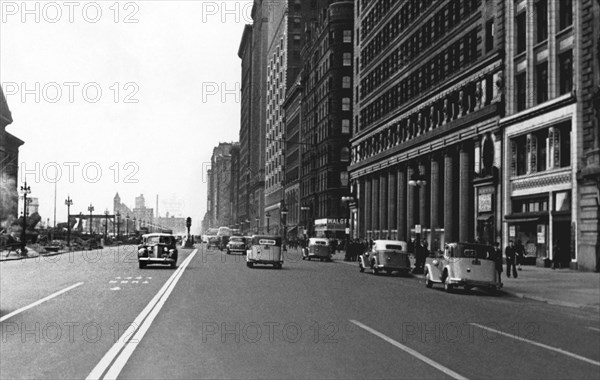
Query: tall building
x=326, y=119
x=219, y=187
x=253, y=53
x=551, y=155
x=9, y=167
x=426, y=148
x=287, y=20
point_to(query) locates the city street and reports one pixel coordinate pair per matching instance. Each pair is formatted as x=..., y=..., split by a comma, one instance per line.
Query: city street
x=95, y=314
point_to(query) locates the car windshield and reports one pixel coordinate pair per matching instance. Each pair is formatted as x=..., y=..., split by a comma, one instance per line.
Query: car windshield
x=159, y=240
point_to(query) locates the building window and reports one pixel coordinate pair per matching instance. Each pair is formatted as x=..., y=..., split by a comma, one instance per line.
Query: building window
x=541, y=11
x=521, y=87
x=344, y=179
x=345, y=104
x=346, y=126
x=345, y=154
x=347, y=36
x=347, y=59
x=521, y=24
x=562, y=201
x=542, y=82
x=565, y=72
x=489, y=35
x=565, y=14
x=518, y=157
x=346, y=82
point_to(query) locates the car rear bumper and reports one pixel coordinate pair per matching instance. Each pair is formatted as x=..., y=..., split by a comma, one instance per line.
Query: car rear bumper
x=155, y=260
x=478, y=283
x=255, y=261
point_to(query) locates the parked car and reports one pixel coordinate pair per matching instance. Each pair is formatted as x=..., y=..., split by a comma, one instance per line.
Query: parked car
x=237, y=244
x=463, y=264
x=158, y=248
x=386, y=255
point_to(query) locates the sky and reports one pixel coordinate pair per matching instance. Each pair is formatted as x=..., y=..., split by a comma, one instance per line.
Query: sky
x=121, y=96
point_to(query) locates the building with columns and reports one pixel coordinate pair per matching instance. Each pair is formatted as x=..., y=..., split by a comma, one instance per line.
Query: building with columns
x=551, y=165
x=429, y=94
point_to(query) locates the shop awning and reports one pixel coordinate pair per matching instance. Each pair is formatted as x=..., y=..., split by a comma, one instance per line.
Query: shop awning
x=526, y=218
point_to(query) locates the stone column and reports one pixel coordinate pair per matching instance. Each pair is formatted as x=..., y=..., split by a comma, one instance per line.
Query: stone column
x=434, y=185
x=383, y=209
x=424, y=197
x=411, y=207
x=465, y=213
x=361, y=208
x=375, y=203
x=450, y=197
x=401, y=202
x=391, y=201
x=368, y=210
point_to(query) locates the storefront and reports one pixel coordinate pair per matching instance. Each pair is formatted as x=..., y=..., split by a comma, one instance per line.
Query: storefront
x=331, y=228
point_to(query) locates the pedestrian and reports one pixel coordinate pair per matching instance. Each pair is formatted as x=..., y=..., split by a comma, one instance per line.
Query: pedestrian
x=511, y=254
x=556, y=257
x=520, y=253
x=498, y=261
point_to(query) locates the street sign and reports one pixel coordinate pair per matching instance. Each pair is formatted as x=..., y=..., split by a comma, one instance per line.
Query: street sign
x=417, y=228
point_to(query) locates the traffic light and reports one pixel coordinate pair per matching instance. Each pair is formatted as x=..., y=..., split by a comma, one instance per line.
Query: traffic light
x=188, y=222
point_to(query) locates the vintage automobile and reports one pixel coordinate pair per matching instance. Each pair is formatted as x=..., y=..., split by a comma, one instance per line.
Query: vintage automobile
x=237, y=244
x=157, y=248
x=386, y=255
x=213, y=242
x=463, y=264
x=318, y=248
x=266, y=249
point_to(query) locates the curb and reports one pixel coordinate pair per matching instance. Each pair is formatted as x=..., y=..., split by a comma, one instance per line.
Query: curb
x=555, y=302
x=18, y=258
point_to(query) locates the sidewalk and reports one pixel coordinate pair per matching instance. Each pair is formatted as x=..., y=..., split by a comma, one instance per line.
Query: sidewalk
x=563, y=287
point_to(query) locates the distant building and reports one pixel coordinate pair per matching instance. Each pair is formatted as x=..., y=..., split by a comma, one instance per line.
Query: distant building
x=219, y=188
x=9, y=167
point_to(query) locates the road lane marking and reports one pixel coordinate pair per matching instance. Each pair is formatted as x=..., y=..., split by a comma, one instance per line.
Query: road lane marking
x=40, y=301
x=117, y=288
x=410, y=351
x=594, y=329
x=116, y=357
x=555, y=349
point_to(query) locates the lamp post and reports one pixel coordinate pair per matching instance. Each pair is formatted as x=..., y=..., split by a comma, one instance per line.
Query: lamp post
x=24, y=190
x=418, y=180
x=91, y=209
x=118, y=224
x=68, y=202
x=347, y=200
x=304, y=210
x=105, y=224
x=127, y=225
x=257, y=224
x=284, y=212
x=268, y=215
x=134, y=224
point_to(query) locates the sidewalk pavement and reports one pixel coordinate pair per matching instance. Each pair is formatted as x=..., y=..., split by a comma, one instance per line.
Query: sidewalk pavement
x=563, y=287
x=31, y=253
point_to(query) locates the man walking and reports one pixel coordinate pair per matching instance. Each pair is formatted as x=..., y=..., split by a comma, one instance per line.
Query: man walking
x=498, y=261
x=511, y=259
x=520, y=252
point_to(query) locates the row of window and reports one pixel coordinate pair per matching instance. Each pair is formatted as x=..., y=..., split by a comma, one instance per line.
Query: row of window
x=564, y=19
x=395, y=27
x=454, y=58
x=544, y=149
x=561, y=202
x=428, y=34
x=564, y=81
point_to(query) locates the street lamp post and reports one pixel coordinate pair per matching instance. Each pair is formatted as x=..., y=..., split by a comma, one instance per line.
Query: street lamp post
x=418, y=180
x=304, y=210
x=24, y=190
x=91, y=209
x=68, y=202
x=284, y=212
x=268, y=215
x=127, y=226
x=134, y=224
x=348, y=200
x=105, y=224
x=257, y=224
x=118, y=224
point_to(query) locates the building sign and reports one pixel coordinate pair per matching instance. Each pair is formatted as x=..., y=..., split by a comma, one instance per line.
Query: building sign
x=541, y=233
x=484, y=203
x=417, y=228
x=331, y=224
x=512, y=231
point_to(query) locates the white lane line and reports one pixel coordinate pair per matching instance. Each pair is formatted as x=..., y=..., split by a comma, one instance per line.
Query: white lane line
x=555, y=349
x=410, y=351
x=40, y=301
x=593, y=328
x=128, y=335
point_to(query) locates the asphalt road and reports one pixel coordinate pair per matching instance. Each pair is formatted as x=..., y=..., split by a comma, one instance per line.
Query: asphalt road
x=97, y=315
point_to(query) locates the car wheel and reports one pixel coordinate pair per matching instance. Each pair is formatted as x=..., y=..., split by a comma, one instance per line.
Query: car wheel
x=375, y=271
x=228, y=252
x=428, y=282
x=250, y=265
x=361, y=268
x=448, y=287
x=468, y=288
x=142, y=264
x=173, y=265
